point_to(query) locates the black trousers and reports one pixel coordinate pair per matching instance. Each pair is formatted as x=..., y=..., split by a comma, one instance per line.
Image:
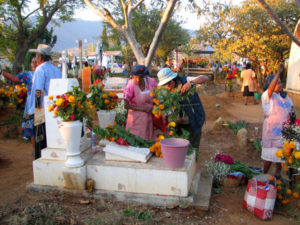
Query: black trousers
x=40, y=139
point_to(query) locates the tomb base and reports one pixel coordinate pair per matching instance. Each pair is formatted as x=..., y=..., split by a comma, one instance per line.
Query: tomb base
x=145, y=183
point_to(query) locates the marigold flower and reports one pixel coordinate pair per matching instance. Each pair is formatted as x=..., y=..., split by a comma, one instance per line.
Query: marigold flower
x=108, y=125
x=172, y=124
x=55, y=113
x=295, y=195
x=171, y=133
x=279, y=188
x=50, y=97
x=289, y=191
x=297, y=154
x=286, y=201
x=161, y=137
x=279, y=153
x=279, y=182
x=71, y=99
x=106, y=102
x=161, y=106
x=279, y=196
x=152, y=94
x=104, y=96
x=50, y=108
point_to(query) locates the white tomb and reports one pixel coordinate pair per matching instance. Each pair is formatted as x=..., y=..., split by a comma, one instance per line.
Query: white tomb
x=293, y=74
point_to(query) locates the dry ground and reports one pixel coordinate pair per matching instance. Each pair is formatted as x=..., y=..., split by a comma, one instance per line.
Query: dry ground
x=18, y=206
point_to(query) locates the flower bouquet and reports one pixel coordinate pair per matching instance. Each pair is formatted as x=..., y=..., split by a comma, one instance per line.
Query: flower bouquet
x=104, y=102
x=72, y=107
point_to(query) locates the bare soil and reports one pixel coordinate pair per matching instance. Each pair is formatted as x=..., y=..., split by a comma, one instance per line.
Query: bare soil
x=19, y=206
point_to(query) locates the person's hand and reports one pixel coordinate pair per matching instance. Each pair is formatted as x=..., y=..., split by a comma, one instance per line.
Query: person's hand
x=280, y=68
x=185, y=87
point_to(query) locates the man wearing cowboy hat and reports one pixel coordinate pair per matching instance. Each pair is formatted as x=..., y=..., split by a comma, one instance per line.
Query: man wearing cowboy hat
x=40, y=87
x=192, y=107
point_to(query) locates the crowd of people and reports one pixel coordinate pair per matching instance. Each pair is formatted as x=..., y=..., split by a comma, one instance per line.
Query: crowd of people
x=139, y=102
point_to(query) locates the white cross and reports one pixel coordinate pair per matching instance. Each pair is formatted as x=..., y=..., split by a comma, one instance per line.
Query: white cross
x=64, y=60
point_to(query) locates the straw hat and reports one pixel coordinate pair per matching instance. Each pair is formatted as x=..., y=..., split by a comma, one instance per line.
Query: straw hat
x=42, y=49
x=165, y=75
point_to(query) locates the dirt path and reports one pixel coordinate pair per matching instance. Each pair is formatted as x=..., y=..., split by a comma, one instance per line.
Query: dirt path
x=17, y=206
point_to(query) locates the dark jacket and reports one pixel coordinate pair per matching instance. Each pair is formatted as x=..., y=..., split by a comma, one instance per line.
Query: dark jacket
x=193, y=109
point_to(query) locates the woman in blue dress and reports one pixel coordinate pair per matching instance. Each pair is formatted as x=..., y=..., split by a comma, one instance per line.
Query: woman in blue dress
x=26, y=78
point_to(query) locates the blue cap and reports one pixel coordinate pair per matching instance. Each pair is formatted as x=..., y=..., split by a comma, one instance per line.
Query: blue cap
x=138, y=70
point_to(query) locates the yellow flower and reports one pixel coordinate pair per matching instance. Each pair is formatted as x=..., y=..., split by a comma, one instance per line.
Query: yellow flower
x=171, y=133
x=289, y=191
x=55, y=113
x=59, y=102
x=161, y=137
x=71, y=99
x=172, y=124
x=297, y=154
x=11, y=104
x=279, y=153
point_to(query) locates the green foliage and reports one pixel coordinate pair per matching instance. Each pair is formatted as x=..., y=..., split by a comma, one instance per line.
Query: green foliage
x=12, y=122
x=238, y=166
x=237, y=126
x=144, y=216
x=120, y=132
x=257, y=145
x=217, y=170
x=104, y=38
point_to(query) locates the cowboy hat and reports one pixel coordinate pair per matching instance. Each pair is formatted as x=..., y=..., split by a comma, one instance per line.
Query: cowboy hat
x=42, y=49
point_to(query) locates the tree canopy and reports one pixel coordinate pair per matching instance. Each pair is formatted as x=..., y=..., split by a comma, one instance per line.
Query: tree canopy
x=21, y=26
x=250, y=32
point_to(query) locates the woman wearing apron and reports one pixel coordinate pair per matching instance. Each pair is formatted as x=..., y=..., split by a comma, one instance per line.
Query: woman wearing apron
x=277, y=106
x=139, y=103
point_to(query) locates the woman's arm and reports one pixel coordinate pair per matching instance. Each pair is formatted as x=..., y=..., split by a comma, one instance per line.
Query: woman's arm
x=136, y=108
x=9, y=76
x=274, y=81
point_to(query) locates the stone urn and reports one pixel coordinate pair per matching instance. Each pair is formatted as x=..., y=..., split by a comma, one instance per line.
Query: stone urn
x=106, y=117
x=71, y=134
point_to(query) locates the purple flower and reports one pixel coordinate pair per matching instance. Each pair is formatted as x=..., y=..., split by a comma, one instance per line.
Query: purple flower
x=224, y=158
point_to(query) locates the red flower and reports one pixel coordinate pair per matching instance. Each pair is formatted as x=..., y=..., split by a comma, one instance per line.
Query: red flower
x=72, y=117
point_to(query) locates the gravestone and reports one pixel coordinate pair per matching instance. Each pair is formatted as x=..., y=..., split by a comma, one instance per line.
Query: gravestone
x=55, y=146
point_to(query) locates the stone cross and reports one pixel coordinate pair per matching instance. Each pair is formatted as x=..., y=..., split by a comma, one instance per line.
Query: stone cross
x=64, y=60
x=99, y=52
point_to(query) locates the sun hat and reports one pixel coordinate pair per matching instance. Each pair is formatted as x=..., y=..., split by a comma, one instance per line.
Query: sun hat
x=165, y=75
x=42, y=49
x=138, y=70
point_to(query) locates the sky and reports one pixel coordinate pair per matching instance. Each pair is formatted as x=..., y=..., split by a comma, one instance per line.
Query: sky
x=191, y=20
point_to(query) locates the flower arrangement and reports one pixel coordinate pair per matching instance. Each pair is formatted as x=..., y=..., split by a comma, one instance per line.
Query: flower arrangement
x=98, y=74
x=118, y=134
x=12, y=95
x=71, y=106
x=167, y=102
x=196, y=62
x=290, y=153
x=102, y=99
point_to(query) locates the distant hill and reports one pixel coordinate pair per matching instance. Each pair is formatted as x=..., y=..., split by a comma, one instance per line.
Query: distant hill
x=69, y=32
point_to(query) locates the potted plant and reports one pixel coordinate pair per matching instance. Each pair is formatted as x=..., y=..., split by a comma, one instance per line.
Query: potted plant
x=104, y=102
x=72, y=107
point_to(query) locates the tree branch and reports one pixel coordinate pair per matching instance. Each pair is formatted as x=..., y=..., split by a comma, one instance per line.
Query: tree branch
x=159, y=32
x=31, y=13
x=137, y=4
x=104, y=15
x=278, y=21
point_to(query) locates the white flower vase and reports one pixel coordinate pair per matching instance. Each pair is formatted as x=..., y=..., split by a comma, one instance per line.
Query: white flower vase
x=71, y=135
x=106, y=117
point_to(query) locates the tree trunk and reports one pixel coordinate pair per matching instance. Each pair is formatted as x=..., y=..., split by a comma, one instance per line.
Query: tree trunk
x=19, y=58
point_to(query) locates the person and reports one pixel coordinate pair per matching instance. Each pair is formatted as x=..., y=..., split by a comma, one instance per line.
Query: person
x=44, y=72
x=25, y=78
x=139, y=103
x=249, y=83
x=193, y=107
x=125, y=68
x=276, y=106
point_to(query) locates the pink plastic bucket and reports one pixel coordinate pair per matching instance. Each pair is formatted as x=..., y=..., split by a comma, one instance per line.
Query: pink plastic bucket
x=174, y=151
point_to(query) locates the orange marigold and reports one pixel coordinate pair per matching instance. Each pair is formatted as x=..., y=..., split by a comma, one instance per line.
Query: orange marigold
x=161, y=106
